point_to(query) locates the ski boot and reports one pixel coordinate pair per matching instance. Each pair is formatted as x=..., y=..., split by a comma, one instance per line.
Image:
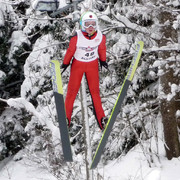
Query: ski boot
x=104, y=121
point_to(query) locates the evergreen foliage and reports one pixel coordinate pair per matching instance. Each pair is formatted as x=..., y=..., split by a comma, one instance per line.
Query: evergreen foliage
x=28, y=42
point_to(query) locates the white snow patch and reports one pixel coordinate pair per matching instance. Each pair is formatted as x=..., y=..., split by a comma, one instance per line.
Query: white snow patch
x=134, y=166
x=1, y=18
x=152, y=74
x=178, y=113
x=2, y=76
x=174, y=89
x=23, y=170
x=17, y=39
x=21, y=103
x=155, y=174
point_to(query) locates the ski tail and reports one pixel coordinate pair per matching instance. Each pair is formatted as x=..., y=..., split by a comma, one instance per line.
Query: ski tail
x=60, y=107
x=117, y=106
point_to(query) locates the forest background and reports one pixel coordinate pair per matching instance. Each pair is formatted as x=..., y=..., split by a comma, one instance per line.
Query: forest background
x=150, y=117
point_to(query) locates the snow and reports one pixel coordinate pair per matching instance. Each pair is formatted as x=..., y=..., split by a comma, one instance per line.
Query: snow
x=175, y=3
x=178, y=113
x=2, y=76
x=1, y=18
x=152, y=74
x=174, y=89
x=61, y=4
x=23, y=170
x=132, y=166
x=122, y=45
x=19, y=103
x=38, y=58
x=17, y=39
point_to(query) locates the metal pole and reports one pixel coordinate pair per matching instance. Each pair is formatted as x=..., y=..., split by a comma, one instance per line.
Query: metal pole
x=88, y=153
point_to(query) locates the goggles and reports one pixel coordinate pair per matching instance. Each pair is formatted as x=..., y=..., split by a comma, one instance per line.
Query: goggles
x=89, y=24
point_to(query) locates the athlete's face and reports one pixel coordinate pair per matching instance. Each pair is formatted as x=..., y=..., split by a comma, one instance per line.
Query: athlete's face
x=90, y=27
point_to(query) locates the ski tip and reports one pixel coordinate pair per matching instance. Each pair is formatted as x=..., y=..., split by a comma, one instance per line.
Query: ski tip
x=141, y=43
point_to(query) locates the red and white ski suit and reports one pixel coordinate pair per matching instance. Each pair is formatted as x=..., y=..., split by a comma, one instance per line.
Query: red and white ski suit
x=91, y=70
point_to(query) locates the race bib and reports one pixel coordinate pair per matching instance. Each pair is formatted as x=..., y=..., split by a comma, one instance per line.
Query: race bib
x=87, y=50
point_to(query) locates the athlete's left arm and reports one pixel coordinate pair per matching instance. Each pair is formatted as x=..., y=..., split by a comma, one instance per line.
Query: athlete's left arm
x=102, y=49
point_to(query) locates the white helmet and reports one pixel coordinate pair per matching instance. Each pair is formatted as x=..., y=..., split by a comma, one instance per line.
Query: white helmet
x=88, y=16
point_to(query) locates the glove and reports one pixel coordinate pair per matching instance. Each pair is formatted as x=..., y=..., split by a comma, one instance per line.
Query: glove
x=64, y=67
x=103, y=64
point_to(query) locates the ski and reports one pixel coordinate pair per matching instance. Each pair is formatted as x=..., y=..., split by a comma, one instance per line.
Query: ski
x=117, y=106
x=60, y=107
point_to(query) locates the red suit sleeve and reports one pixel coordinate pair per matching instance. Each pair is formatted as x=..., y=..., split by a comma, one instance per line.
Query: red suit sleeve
x=71, y=50
x=102, y=49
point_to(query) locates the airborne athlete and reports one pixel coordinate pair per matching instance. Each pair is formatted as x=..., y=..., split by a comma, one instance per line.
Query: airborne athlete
x=86, y=48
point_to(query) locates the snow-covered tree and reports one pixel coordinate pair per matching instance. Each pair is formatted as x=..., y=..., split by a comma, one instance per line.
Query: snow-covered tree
x=169, y=86
x=28, y=122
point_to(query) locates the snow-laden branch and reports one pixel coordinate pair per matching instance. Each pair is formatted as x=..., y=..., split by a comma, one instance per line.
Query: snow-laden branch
x=169, y=47
x=21, y=103
x=10, y=85
x=3, y=100
x=40, y=49
x=11, y=2
x=135, y=27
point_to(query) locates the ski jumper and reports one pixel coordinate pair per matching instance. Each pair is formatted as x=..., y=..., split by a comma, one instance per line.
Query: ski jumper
x=85, y=51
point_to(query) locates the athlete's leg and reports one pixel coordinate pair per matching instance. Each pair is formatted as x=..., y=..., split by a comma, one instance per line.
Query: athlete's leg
x=92, y=75
x=73, y=87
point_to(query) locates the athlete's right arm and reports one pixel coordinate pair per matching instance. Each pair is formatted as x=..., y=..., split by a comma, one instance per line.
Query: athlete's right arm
x=70, y=51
